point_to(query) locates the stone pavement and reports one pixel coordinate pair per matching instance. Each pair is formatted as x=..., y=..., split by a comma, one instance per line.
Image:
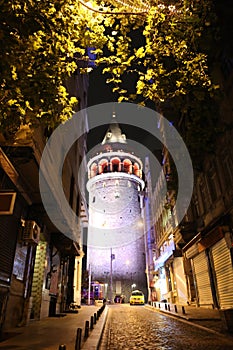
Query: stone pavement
x=145, y=328
x=51, y=332
x=202, y=317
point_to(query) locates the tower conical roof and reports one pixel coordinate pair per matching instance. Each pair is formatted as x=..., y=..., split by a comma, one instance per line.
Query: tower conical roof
x=113, y=141
x=114, y=133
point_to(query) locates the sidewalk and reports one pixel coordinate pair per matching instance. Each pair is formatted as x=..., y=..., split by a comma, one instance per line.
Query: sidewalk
x=51, y=332
x=207, y=318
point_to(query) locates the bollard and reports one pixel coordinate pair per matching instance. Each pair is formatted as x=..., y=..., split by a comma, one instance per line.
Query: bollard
x=98, y=315
x=168, y=307
x=159, y=305
x=183, y=310
x=165, y=306
x=95, y=318
x=78, y=339
x=175, y=307
x=62, y=347
x=86, y=329
x=92, y=322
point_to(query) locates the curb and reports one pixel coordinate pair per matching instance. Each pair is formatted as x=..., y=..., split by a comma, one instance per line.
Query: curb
x=93, y=341
x=183, y=318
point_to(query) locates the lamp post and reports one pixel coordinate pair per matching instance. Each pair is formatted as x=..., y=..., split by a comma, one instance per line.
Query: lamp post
x=89, y=286
x=112, y=257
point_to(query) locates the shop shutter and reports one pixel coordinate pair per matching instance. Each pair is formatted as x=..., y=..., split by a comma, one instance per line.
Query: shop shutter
x=202, y=278
x=4, y=291
x=8, y=229
x=224, y=273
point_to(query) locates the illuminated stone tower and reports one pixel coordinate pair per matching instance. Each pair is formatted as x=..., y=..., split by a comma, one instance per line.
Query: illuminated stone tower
x=116, y=250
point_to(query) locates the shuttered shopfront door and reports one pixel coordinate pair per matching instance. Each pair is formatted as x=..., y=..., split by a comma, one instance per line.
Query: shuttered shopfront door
x=202, y=278
x=224, y=273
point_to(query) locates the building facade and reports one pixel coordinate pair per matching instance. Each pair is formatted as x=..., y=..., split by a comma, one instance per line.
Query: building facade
x=193, y=262
x=204, y=238
x=40, y=267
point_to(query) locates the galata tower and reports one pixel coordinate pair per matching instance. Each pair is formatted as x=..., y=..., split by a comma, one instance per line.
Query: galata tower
x=115, y=245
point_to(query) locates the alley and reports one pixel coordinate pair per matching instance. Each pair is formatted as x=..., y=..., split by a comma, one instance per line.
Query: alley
x=136, y=327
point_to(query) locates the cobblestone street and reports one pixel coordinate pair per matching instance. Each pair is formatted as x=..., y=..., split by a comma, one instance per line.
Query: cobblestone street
x=135, y=327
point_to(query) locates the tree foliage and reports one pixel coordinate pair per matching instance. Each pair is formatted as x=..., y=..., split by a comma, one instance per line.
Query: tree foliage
x=40, y=43
x=171, y=64
x=174, y=66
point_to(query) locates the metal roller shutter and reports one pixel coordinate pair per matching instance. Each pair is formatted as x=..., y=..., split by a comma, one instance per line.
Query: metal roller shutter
x=224, y=273
x=201, y=271
x=8, y=229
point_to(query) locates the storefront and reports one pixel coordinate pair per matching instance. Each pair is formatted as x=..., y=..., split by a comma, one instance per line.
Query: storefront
x=171, y=281
x=212, y=267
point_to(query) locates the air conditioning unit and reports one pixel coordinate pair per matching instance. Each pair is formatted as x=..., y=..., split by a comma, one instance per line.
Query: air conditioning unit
x=31, y=232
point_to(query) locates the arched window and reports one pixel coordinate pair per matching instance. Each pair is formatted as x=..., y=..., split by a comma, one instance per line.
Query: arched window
x=136, y=169
x=127, y=166
x=115, y=164
x=103, y=166
x=93, y=170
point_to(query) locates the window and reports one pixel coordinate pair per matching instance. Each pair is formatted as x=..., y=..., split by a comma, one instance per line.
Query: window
x=136, y=169
x=115, y=164
x=127, y=164
x=93, y=170
x=103, y=166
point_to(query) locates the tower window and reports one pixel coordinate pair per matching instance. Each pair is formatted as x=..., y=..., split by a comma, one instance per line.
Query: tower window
x=115, y=164
x=93, y=200
x=117, y=194
x=127, y=166
x=115, y=167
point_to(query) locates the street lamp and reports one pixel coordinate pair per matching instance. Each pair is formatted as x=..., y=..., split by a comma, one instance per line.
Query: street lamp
x=127, y=262
x=133, y=286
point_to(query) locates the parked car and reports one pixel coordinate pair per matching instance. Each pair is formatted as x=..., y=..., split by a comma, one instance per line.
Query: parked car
x=137, y=298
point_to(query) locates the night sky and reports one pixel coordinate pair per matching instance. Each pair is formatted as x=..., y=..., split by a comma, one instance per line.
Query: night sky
x=100, y=92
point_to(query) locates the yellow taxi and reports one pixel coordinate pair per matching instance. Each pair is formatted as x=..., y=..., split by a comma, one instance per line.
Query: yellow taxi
x=137, y=298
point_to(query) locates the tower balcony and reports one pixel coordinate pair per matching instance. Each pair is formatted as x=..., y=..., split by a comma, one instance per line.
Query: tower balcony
x=121, y=162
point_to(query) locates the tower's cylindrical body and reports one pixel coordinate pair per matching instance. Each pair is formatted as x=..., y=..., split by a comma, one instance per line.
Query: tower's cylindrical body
x=116, y=251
